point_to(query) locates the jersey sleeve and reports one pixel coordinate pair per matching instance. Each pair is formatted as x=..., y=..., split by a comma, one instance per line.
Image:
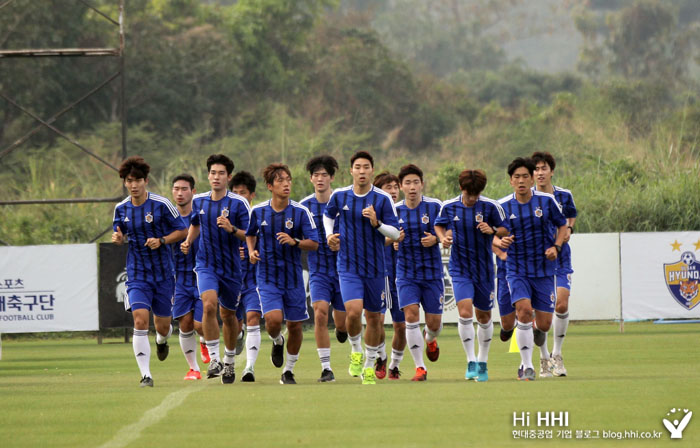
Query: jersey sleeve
x=443, y=216
x=497, y=216
x=308, y=227
x=555, y=213
x=332, y=207
x=252, y=229
x=387, y=212
x=196, y=207
x=568, y=206
x=172, y=218
x=117, y=220
x=242, y=218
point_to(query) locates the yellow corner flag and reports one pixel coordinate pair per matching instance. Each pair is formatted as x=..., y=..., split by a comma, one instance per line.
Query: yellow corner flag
x=513, y=343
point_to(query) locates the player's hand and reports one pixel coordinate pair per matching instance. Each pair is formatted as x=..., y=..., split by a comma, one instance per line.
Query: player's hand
x=551, y=253
x=118, y=237
x=333, y=242
x=402, y=235
x=224, y=223
x=242, y=252
x=371, y=215
x=502, y=255
x=185, y=247
x=485, y=228
x=396, y=245
x=506, y=241
x=254, y=257
x=568, y=235
x=153, y=243
x=447, y=241
x=285, y=238
x=429, y=240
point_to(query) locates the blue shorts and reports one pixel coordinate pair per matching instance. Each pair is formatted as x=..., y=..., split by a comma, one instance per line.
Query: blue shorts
x=150, y=296
x=391, y=299
x=540, y=291
x=369, y=290
x=187, y=299
x=503, y=297
x=430, y=294
x=249, y=301
x=226, y=289
x=563, y=279
x=326, y=289
x=291, y=301
x=482, y=294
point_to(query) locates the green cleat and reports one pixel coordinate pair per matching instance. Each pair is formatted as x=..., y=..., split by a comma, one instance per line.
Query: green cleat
x=483, y=372
x=471, y=373
x=368, y=376
x=356, y=359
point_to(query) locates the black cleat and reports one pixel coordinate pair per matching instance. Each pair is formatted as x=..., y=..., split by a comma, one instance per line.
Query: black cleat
x=162, y=350
x=229, y=375
x=287, y=378
x=277, y=355
x=540, y=337
x=506, y=335
x=341, y=336
x=146, y=381
x=248, y=376
x=326, y=376
x=215, y=369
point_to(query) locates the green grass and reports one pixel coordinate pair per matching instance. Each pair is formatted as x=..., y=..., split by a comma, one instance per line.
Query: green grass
x=73, y=392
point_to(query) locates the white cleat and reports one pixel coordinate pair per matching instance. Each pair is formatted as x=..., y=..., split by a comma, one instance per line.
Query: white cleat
x=558, y=366
x=546, y=368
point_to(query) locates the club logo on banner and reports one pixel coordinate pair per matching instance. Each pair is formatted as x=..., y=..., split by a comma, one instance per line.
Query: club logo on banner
x=682, y=277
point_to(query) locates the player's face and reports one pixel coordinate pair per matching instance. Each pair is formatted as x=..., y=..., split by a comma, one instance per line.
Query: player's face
x=136, y=186
x=218, y=177
x=182, y=193
x=362, y=172
x=521, y=180
x=469, y=199
x=321, y=180
x=412, y=186
x=543, y=174
x=282, y=185
x=393, y=189
x=242, y=190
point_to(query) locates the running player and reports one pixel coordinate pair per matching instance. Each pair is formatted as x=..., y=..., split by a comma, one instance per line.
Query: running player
x=390, y=183
x=419, y=275
x=367, y=216
x=323, y=274
x=473, y=219
x=220, y=217
x=283, y=228
x=149, y=223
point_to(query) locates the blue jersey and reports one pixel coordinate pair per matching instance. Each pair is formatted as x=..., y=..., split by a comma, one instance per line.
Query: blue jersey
x=471, y=255
x=390, y=258
x=280, y=264
x=416, y=262
x=184, y=264
x=248, y=270
x=534, y=226
x=155, y=218
x=361, y=245
x=568, y=209
x=324, y=260
x=218, y=249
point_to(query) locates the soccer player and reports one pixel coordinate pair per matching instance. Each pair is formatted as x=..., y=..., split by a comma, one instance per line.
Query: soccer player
x=544, y=170
x=187, y=306
x=283, y=228
x=419, y=275
x=220, y=217
x=390, y=183
x=149, y=223
x=473, y=219
x=367, y=216
x=538, y=228
x=323, y=274
x=243, y=184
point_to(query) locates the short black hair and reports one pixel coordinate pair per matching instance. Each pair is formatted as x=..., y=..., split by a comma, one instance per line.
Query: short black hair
x=362, y=155
x=545, y=157
x=325, y=161
x=472, y=181
x=243, y=178
x=186, y=177
x=272, y=171
x=220, y=159
x=134, y=166
x=410, y=169
x=383, y=178
x=520, y=162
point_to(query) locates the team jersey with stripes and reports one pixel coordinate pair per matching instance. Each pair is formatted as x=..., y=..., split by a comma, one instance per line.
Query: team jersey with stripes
x=361, y=245
x=471, y=255
x=416, y=262
x=534, y=226
x=248, y=270
x=218, y=249
x=157, y=217
x=280, y=264
x=184, y=264
x=568, y=209
x=324, y=260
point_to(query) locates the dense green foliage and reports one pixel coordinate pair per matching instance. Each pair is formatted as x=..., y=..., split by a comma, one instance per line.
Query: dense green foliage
x=270, y=80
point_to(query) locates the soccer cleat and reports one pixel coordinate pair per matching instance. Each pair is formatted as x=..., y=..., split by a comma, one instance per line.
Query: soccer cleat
x=539, y=336
x=146, y=381
x=356, y=359
x=341, y=336
x=432, y=350
x=483, y=372
x=368, y=376
x=287, y=378
x=239, y=342
x=228, y=375
x=505, y=335
x=326, y=376
x=558, y=368
x=215, y=369
x=380, y=368
x=526, y=374
x=472, y=372
x=546, y=368
x=204, y=353
x=277, y=355
x=162, y=350
x=248, y=375
x=394, y=374
x=193, y=375
x=421, y=374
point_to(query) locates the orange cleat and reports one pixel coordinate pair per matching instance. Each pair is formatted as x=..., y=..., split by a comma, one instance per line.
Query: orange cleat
x=394, y=374
x=204, y=353
x=193, y=375
x=432, y=350
x=380, y=368
x=421, y=374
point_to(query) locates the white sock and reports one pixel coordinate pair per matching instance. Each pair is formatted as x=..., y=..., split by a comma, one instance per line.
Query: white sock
x=324, y=354
x=465, y=327
x=356, y=343
x=279, y=340
x=213, y=349
x=544, y=352
x=252, y=346
x=381, y=350
x=201, y=339
x=370, y=355
x=396, y=358
x=229, y=355
x=142, y=352
x=561, y=324
x=415, y=343
x=161, y=339
x=188, y=344
x=431, y=335
x=484, y=333
x=289, y=365
x=526, y=342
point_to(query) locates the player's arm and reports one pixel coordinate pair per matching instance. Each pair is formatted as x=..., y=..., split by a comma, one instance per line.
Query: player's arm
x=172, y=237
x=496, y=247
x=192, y=234
x=444, y=238
x=562, y=231
x=333, y=239
x=251, y=241
x=390, y=228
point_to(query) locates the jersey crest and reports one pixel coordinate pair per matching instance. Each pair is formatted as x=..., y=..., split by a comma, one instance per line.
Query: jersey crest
x=479, y=217
x=224, y=212
x=425, y=219
x=289, y=224
x=538, y=212
x=149, y=217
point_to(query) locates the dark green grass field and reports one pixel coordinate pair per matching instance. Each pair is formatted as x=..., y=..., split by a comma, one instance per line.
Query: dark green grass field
x=74, y=393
